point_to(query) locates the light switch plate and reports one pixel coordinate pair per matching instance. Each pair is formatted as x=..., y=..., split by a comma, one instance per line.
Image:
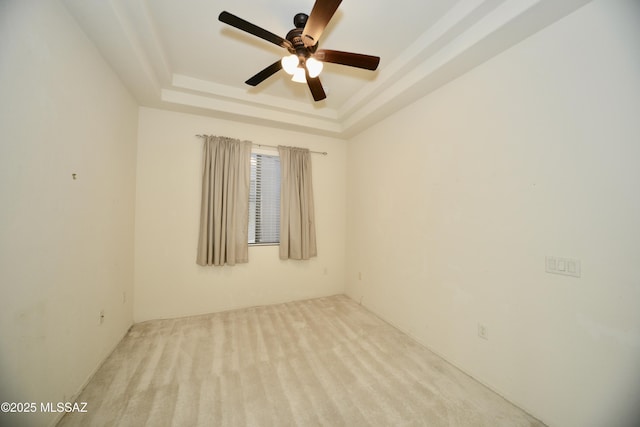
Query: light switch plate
x=564, y=266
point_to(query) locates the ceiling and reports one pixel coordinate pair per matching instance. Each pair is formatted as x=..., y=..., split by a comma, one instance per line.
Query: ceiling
x=175, y=54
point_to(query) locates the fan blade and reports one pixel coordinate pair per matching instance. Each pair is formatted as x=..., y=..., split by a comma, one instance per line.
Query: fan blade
x=250, y=28
x=265, y=74
x=320, y=16
x=358, y=60
x=316, y=88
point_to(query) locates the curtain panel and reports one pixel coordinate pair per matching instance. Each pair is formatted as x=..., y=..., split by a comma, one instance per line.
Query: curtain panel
x=224, y=210
x=297, y=216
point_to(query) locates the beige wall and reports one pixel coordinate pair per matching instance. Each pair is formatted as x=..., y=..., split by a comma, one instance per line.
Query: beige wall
x=66, y=246
x=168, y=283
x=454, y=202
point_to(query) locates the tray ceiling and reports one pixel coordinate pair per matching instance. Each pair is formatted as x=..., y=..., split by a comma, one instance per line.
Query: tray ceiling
x=176, y=54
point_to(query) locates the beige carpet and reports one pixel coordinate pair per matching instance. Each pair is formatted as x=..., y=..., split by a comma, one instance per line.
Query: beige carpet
x=325, y=361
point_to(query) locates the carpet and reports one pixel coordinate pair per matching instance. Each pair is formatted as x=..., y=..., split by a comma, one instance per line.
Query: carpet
x=320, y=362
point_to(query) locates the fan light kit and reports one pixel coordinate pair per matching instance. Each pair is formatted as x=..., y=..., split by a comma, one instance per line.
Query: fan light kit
x=291, y=65
x=305, y=60
x=299, y=75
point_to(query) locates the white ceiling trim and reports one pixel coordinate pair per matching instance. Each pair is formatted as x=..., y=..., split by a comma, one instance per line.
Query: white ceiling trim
x=259, y=100
x=441, y=33
x=232, y=107
x=131, y=34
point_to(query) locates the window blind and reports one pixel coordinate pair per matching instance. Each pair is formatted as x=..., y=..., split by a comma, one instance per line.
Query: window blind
x=264, y=199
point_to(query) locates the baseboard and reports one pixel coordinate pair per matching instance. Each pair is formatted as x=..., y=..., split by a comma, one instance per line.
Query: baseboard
x=75, y=396
x=494, y=389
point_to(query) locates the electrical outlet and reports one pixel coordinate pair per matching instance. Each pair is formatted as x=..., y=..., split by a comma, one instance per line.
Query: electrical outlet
x=101, y=316
x=483, y=332
x=359, y=275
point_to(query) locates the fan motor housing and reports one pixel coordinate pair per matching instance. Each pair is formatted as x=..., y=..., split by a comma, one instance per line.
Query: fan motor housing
x=295, y=38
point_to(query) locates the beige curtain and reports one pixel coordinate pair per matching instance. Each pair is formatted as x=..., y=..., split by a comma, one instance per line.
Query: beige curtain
x=224, y=212
x=297, y=217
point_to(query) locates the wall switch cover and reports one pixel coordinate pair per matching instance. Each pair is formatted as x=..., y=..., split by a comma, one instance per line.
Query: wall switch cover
x=564, y=266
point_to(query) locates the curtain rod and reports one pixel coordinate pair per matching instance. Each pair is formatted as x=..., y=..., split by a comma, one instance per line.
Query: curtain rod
x=324, y=153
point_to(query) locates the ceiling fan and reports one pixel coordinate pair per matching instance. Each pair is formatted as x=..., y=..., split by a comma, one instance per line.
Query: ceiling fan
x=304, y=61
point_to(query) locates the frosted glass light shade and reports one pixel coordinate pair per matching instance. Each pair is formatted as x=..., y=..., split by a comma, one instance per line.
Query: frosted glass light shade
x=290, y=63
x=314, y=66
x=299, y=76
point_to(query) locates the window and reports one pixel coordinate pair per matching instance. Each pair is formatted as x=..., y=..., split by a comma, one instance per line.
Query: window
x=264, y=199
